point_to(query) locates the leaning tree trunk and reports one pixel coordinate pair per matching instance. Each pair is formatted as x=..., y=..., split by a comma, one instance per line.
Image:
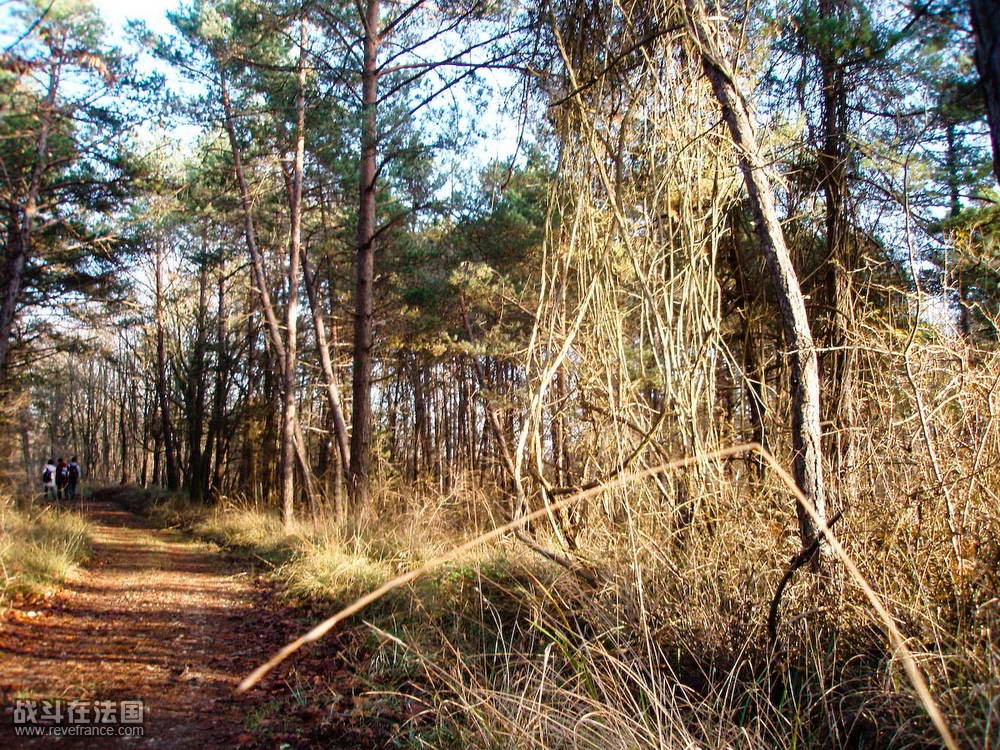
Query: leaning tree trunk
x=323, y=345
x=806, y=431
x=272, y=327
x=986, y=29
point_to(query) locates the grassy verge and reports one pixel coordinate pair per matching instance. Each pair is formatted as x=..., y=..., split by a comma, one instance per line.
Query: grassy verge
x=318, y=565
x=316, y=569
x=40, y=547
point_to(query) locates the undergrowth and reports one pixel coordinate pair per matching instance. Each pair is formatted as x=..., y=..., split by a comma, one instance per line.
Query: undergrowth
x=668, y=646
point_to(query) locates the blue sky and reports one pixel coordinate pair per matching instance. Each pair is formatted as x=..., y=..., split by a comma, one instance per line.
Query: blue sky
x=117, y=12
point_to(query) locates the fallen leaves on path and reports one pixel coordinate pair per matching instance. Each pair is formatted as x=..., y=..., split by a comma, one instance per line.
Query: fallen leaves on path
x=159, y=617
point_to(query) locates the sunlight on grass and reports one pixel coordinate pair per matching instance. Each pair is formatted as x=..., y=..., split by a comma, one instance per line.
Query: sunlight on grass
x=243, y=528
x=325, y=571
x=39, y=547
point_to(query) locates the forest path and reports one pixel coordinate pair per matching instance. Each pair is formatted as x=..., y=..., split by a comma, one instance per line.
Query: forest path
x=153, y=616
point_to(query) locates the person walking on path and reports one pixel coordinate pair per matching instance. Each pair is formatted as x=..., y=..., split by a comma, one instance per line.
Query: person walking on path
x=62, y=477
x=74, y=479
x=49, y=479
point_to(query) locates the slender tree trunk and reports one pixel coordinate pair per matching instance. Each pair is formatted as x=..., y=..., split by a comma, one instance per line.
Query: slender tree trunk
x=157, y=478
x=144, y=469
x=257, y=261
x=25, y=428
x=559, y=448
x=986, y=30
x=361, y=416
x=446, y=430
x=18, y=241
x=196, y=473
x=841, y=263
x=464, y=415
x=73, y=414
x=249, y=229
x=332, y=386
x=288, y=420
x=421, y=443
x=951, y=161
x=216, y=439
x=806, y=432
x=163, y=396
x=90, y=431
x=123, y=436
x=753, y=369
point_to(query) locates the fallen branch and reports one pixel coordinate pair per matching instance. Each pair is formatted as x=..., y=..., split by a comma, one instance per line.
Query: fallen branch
x=327, y=625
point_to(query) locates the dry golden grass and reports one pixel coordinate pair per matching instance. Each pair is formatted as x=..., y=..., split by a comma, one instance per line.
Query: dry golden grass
x=670, y=650
x=40, y=547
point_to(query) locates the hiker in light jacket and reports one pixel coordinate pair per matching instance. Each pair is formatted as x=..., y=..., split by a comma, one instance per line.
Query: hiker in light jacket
x=49, y=479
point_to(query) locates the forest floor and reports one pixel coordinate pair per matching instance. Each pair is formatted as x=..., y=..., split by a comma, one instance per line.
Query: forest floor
x=172, y=622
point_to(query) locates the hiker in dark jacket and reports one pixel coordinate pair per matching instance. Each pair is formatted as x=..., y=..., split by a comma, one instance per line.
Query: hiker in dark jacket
x=74, y=478
x=62, y=477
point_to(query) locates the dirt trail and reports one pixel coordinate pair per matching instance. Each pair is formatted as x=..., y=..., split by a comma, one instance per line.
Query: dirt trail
x=153, y=616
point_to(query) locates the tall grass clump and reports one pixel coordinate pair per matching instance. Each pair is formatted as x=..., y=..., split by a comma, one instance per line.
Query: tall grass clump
x=40, y=547
x=247, y=528
x=324, y=570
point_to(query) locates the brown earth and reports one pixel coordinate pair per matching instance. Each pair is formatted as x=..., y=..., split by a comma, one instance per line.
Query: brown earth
x=158, y=617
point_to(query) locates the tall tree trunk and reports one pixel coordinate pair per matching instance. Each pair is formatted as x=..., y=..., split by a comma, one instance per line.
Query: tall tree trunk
x=197, y=473
x=22, y=218
x=18, y=239
x=952, y=167
x=322, y=343
x=806, y=431
x=25, y=429
x=421, y=441
x=257, y=261
x=216, y=438
x=986, y=30
x=123, y=436
x=753, y=369
x=560, y=451
x=157, y=478
x=249, y=229
x=143, y=477
x=361, y=414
